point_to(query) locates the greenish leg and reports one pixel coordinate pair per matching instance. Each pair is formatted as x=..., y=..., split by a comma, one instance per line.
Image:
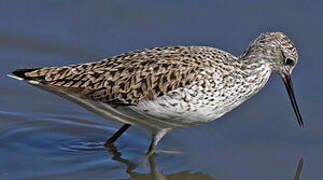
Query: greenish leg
x=156, y=137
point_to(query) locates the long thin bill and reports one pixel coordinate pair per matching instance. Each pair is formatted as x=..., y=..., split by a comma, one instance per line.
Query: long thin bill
x=289, y=87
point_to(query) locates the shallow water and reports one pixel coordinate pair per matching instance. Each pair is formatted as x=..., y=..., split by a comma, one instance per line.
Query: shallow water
x=43, y=136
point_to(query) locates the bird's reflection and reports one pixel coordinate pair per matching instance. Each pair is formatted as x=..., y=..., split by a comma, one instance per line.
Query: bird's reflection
x=299, y=169
x=158, y=175
x=154, y=172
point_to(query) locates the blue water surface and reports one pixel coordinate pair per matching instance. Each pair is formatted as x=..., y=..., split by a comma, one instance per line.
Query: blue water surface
x=43, y=136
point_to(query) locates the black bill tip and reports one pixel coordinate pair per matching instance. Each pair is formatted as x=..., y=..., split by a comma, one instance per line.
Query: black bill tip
x=289, y=87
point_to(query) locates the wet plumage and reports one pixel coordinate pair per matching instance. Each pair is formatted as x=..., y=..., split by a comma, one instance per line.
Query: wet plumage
x=166, y=87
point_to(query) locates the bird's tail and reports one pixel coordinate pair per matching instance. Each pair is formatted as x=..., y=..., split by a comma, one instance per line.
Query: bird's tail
x=26, y=75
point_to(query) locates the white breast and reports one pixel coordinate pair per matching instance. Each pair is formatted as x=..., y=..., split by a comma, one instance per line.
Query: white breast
x=205, y=100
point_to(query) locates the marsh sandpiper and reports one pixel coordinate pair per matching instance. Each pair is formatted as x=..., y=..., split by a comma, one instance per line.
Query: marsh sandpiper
x=164, y=88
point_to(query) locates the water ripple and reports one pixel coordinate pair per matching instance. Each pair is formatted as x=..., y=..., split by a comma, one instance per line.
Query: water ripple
x=55, y=135
x=79, y=145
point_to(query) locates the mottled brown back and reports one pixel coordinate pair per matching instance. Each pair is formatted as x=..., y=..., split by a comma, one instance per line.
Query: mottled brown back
x=131, y=77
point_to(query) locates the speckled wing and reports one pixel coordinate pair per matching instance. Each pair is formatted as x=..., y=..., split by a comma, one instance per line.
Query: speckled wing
x=132, y=77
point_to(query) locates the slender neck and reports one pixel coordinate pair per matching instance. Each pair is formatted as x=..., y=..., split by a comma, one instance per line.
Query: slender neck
x=256, y=69
x=258, y=56
x=254, y=59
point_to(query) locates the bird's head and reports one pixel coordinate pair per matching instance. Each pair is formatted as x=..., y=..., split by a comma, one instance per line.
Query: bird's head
x=279, y=52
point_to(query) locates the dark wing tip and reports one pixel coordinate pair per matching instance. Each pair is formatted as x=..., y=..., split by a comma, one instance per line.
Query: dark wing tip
x=21, y=73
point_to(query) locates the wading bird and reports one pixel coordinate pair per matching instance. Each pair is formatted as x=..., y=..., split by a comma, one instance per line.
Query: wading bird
x=164, y=88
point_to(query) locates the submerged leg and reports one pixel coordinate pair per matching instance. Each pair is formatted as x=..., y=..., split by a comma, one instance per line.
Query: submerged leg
x=116, y=135
x=156, y=137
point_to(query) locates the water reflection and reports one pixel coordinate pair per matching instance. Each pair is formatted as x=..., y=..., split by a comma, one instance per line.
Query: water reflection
x=154, y=173
x=299, y=169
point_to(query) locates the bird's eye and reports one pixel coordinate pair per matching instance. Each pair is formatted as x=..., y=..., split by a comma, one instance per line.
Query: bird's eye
x=289, y=61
